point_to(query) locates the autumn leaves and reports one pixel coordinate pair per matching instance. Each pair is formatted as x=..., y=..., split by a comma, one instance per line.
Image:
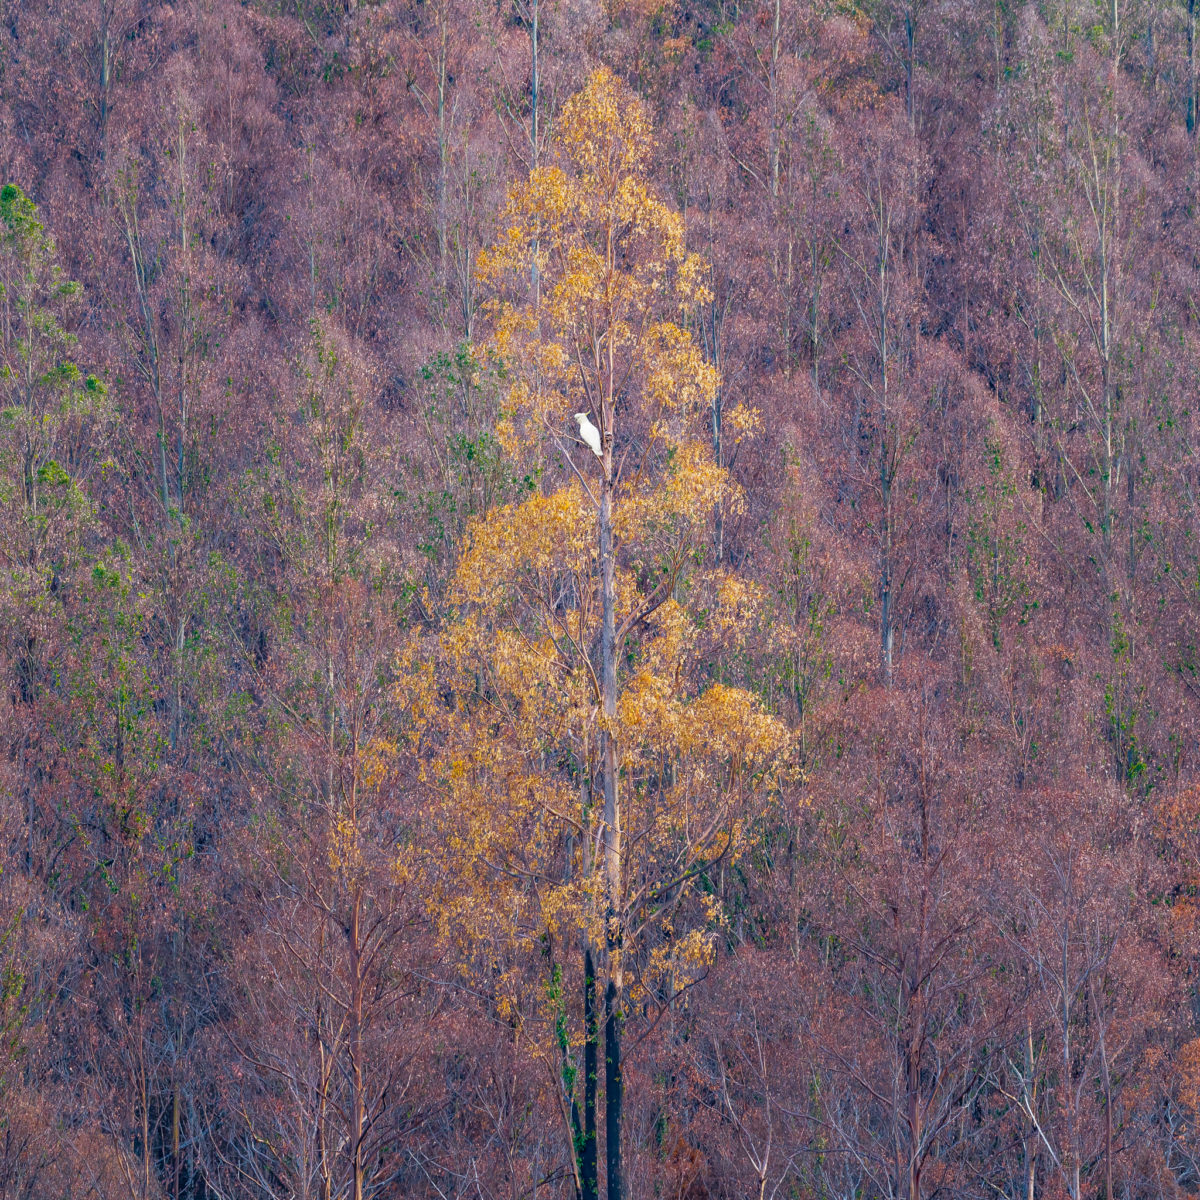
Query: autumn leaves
x=592, y=775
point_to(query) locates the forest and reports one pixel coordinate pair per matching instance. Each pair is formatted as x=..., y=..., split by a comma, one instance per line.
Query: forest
x=599, y=598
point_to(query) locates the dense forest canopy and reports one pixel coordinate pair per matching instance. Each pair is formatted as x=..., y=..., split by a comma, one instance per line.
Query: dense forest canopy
x=599, y=598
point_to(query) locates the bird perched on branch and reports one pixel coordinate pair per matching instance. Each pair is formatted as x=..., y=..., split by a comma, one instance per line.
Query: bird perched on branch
x=589, y=433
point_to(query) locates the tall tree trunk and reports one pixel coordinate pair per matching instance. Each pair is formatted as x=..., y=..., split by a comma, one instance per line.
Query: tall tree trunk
x=1029, y=1097
x=175, y=1122
x=106, y=80
x=613, y=1088
x=886, y=599
x=910, y=47
x=612, y=811
x=534, y=84
x=535, y=92
x=886, y=618
x=773, y=86
x=358, y=1113
x=1191, y=56
x=589, y=1178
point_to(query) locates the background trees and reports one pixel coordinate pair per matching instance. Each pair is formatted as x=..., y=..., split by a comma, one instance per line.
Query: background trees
x=798, y=798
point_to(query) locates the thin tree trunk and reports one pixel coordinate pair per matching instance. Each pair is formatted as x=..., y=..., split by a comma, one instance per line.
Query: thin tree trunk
x=443, y=145
x=358, y=1118
x=886, y=467
x=613, y=1088
x=534, y=85
x=1191, y=55
x=1030, y=1097
x=590, y=1187
x=910, y=40
x=612, y=811
x=535, y=91
x=106, y=78
x=175, y=1120
x=773, y=83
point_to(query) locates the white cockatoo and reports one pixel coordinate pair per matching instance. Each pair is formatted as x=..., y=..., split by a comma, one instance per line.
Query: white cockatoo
x=589, y=433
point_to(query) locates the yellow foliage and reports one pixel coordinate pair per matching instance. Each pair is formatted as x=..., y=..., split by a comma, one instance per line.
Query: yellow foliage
x=345, y=855
x=1188, y=1066
x=606, y=131
x=515, y=736
x=378, y=757
x=728, y=723
x=613, y=274
x=743, y=421
x=681, y=962
x=681, y=509
x=739, y=604
x=537, y=535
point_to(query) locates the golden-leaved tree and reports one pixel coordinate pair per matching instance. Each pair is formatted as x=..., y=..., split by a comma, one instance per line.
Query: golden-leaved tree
x=594, y=778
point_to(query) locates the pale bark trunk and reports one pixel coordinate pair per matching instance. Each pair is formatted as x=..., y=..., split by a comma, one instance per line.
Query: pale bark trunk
x=612, y=830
